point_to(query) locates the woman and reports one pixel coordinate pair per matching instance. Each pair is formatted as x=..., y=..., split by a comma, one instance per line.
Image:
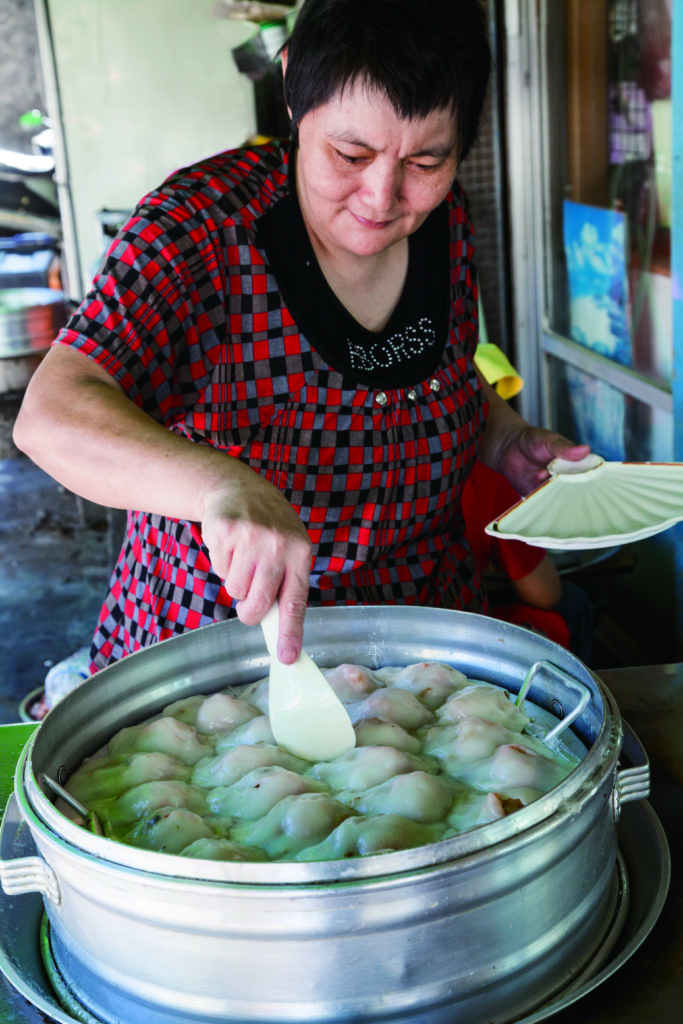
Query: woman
x=274, y=365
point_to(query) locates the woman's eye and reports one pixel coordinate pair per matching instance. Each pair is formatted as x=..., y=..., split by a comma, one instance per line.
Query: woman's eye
x=348, y=159
x=425, y=167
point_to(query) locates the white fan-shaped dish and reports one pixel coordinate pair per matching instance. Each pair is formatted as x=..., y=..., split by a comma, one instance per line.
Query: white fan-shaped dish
x=595, y=504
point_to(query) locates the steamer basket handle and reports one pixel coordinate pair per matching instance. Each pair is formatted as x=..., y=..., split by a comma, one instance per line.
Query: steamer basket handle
x=583, y=692
x=24, y=874
x=631, y=783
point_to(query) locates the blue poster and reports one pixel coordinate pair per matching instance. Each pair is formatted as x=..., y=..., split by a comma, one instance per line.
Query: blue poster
x=595, y=241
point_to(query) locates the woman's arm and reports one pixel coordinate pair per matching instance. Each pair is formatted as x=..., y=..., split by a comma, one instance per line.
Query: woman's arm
x=516, y=449
x=542, y=587
x=78, y=425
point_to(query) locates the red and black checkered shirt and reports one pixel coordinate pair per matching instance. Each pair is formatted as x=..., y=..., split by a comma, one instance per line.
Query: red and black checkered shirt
x=186, y=314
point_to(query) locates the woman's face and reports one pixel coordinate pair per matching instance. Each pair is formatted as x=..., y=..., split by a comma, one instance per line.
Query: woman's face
x=366, y=178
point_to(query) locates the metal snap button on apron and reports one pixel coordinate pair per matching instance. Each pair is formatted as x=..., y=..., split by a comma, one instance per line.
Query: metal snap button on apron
x=434, y=384
x=381, y=398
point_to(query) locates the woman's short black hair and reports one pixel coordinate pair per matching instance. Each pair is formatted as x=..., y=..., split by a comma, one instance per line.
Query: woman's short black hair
x=424, y=55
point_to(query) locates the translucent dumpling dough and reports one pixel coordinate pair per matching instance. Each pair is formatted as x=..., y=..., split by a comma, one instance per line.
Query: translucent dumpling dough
x=220, y=712
x=470, y=739
x=256, y=730
x=256, y=694
x=375, y=732
x=228, y=767
x=217, y=713
x=220, y=849
x=392, y=705
x=471, y=809
x=415, y=795
x=164, y=735
x=363, y=767
x=168, y=830
x=430, y=681
x=252, y=796
x=482, y=700
x=293, y=824
x=150, y=796
x=351, y=682
x=515, y=765
x=101, y=777
x=364, y=835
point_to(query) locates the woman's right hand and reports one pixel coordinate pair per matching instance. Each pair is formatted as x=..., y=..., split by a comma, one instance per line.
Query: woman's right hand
x=259, y=546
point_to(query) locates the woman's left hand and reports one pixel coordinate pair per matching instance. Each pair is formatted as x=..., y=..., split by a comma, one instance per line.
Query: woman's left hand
x=526, y=452
x=519, y=451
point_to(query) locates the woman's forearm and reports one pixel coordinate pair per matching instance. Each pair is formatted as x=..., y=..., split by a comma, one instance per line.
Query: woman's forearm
x=501, y=424
x=78, y=425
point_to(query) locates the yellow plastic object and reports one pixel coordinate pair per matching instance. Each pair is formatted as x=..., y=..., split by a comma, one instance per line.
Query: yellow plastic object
x=306, y=715
x=497, y=370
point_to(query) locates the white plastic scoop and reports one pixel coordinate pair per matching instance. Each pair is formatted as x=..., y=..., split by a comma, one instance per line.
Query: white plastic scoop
x=306, y=715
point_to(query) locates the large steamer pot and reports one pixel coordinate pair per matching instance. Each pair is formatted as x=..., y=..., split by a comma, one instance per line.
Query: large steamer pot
x=482, y=927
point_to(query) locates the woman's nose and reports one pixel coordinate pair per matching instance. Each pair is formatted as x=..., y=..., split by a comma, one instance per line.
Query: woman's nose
x=382, y=185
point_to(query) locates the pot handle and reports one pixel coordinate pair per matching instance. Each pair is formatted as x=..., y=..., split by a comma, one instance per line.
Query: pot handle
x=24, y=874
x=582, y=692
x=631, y=783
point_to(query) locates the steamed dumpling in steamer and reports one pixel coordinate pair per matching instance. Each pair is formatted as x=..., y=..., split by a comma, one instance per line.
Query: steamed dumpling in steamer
x=469, y=739
x=256, y=730
x=415, y=795
x=394, y=705
x=185, y=710
x=431, y=682
x=220, y=849
x=515, y=766
x=257, y=792
x=256, y=694
x=221, y=712
x=164, y=735
x=363, y=767
x=376, y=732
x=293, y=824
x=150, y=796
x=363, y=835
x=228, y=767
x=99, y=778
x=472, y=809
x=168, y=830
x=215, y=713
x=483, y=700
x=351, y=682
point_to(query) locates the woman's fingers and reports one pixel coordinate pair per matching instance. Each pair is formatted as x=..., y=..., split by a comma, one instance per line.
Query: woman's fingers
x=260, y=548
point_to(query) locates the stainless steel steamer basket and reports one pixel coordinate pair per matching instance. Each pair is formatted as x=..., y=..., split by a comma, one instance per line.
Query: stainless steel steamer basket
x=484, y=926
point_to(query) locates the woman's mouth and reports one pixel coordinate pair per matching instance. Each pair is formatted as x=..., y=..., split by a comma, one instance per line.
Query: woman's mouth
x=372, y=225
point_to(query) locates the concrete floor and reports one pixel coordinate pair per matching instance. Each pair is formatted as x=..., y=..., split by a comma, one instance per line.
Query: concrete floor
x=56, y=553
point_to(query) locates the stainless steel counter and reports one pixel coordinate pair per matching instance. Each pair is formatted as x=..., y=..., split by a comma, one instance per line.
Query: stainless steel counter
x=649, y=987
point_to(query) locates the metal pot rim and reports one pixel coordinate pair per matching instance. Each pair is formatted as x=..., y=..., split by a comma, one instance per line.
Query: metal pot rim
x=565, y=799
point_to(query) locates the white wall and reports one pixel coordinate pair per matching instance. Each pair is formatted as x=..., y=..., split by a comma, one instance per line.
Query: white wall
x=144, y=87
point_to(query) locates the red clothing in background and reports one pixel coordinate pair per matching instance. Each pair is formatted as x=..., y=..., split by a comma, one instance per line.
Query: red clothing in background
x=486, y=495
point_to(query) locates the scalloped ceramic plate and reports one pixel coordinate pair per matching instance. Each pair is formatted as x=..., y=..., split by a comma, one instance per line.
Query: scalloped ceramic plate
x=596, y=504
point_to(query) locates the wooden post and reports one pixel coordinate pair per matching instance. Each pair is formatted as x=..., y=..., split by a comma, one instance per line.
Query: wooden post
x=587, y=103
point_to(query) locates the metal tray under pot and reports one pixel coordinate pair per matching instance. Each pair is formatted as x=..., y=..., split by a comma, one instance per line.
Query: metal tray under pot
x=483, y=926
